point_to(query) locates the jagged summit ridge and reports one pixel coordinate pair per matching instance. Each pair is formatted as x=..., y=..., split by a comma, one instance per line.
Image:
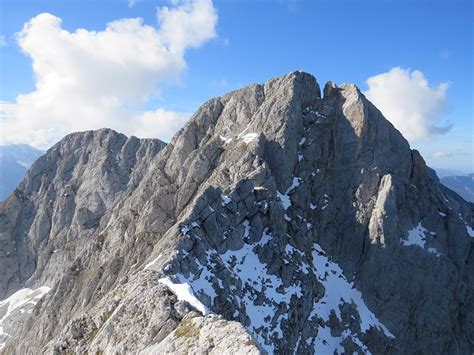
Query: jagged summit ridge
x=305, y=222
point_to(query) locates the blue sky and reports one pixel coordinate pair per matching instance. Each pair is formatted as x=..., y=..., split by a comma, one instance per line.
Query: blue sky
x=252, y=41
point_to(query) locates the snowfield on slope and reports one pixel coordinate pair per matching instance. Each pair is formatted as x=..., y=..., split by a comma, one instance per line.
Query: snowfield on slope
x=263, y=294
x=23, y=301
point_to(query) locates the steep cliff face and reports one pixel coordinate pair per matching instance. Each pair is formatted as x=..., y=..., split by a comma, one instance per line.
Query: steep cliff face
x=65, y=200
x=293, y=222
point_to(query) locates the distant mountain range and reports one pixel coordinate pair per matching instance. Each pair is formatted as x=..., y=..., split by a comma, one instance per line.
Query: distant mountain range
x=463, y=185
x=15, y=160
x=442, y=173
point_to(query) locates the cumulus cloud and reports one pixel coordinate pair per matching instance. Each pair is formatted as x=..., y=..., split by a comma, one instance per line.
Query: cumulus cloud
x=92, y=79
x=436, y=155
x=160, y=120
x=408, y=101
x=3, y=41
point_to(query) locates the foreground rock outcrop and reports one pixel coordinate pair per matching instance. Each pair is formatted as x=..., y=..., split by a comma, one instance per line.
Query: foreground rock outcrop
x=277, y=220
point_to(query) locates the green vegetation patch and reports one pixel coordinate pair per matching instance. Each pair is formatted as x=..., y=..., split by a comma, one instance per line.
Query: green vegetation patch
x=188, y=329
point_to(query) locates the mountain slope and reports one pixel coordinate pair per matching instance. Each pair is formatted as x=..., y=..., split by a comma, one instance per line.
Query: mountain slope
x=305, y=222
x=463, y=185
x=15, y=160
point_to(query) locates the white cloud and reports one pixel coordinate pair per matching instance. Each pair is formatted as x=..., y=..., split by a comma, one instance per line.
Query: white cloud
x=437, y=155
x=132, y=3
x=166, y=123
x=3, y=41
x=92, y=79
x=408, y=101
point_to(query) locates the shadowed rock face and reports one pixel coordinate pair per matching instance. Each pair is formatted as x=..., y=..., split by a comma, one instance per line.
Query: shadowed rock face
x=300, y=222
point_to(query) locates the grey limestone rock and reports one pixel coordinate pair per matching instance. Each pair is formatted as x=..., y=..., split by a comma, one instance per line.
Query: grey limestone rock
x=276, y=221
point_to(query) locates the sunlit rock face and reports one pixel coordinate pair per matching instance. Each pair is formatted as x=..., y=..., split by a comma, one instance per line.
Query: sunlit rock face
x=278, y=220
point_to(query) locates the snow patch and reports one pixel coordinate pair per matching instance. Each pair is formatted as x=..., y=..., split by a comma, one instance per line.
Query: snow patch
x=247, y=228
x=184, y=229
x=417, y=237
x=261, y=293
x=184, y=292
x=338, y=290
x=245, y=265
x=434, y=251
x=285, y=198
x=325, y=202
x=225, y=200
x=470, y=231
x=446, y=201
x=203, y=284
x=249, y=137
x=151, y=263
x=22, y=301
x=225, y=139
x=326, y=343
x=245, y=130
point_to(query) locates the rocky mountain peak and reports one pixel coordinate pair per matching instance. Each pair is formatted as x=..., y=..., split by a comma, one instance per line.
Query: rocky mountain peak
x=66, y=193
x=302, y=223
